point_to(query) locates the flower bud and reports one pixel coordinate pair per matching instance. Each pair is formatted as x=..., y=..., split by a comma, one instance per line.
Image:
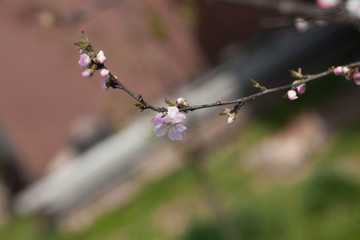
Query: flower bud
x=301, y=89
x=338, y=70
x=357, y=78
x=103, y=86
x=87, y=73
x=182, y=102
x=292, y=94
x=84, y=61
x=101, y=57
x=104, y=73
x=231, y=117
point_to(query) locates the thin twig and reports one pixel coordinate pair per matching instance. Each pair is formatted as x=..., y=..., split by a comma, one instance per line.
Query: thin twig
x=239, y=101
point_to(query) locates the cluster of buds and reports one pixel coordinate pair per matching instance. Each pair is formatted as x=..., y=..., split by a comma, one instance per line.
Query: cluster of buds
x=300, y=89
x=230, y=114
x=90, y=63
x=348, y=73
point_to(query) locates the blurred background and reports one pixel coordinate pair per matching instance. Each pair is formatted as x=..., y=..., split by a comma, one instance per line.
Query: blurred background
x=78, y=162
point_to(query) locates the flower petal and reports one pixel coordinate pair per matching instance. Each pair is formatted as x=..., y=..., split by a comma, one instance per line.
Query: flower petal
x=180, y=128
x=161, y=130
x=157, y=119
x=175, y=135
x=172, y=111
x=179, y=118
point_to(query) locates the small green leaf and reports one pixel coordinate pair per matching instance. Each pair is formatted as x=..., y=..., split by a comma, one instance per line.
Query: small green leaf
x=255, y=83
x=169, y=103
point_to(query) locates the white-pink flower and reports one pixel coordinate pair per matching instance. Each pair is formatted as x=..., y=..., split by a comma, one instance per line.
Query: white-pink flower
x=101, y=57
x=170, y=124
x=292, y=94
x=327, y=4
x=104, y=73
x=84, y=61
x=353, y=7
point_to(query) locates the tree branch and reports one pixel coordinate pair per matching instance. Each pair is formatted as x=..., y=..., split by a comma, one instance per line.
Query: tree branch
x=239, y=101
x=112, y=81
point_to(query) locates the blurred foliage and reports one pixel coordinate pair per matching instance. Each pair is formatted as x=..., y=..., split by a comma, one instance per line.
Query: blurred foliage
x=157, y=26
x=189, y=12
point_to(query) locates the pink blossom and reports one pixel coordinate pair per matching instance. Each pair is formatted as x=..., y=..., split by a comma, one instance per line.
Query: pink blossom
x=357, y=76
x=101, y=57
x=338, y=70
x=84, y=61
x=103, y=86
x=104, y=73
x=87, y=73
x=292, y=94
x=170, y=124
x=327, y=4
x=301, y=89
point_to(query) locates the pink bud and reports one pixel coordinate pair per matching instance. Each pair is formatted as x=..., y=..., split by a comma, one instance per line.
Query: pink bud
x=338, y=70
x=101, y=57
x=84, y=61
x=292, y=94
x=104, y=73
x=180, y=101
x=301, y=89
x=327, y=4
x=357, y=81
x=103, y=86
x=87, y=73
x=357, y=76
